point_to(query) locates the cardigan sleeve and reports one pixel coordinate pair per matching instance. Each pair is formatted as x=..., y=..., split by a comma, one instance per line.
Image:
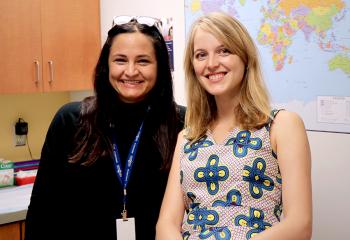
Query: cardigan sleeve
x=47, y=190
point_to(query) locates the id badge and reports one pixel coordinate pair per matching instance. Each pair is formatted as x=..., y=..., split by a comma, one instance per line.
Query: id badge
x=126, y=229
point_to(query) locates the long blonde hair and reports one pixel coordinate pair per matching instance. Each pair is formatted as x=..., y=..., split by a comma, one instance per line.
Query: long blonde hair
x=253, y=109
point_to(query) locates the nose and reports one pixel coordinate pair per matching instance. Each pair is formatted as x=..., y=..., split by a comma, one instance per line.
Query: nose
x=213, y=62
x=131, y=70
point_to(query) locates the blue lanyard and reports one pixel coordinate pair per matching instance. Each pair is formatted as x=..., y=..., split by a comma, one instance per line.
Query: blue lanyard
x=124, y=176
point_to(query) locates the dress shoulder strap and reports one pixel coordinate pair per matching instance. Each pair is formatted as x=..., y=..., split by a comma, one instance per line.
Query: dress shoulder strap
x=273, y=114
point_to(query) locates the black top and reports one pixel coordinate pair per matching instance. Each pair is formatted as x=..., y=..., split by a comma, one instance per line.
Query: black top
x=72, y=201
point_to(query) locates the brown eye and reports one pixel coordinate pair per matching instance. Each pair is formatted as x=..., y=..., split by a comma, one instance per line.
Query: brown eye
x=143, y=62
x=120, y=60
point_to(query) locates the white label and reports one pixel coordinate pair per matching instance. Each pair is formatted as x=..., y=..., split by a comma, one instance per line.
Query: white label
x=126, y=229
x=332, y=109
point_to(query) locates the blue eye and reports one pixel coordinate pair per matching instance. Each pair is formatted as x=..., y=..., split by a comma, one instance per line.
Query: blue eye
x=200, y=56
x=224, y=51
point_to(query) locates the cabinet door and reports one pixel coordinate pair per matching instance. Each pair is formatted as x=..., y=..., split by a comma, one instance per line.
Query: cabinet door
x=10, y=231
x=71, y=43
x=20, y=46
x=23, y=228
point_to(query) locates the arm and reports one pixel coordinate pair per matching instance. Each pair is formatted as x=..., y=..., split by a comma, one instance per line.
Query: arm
x=289, y=141
x=48, y=189
x=172, y=210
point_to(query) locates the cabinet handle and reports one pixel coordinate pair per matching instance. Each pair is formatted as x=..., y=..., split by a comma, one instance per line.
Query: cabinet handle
x=37, y=72
x=51, y=71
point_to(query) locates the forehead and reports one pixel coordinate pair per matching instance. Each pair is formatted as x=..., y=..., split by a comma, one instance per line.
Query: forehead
x=205, y=39
x=135, y=43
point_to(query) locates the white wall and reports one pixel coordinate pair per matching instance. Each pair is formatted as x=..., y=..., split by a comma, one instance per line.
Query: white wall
x=331, y=185
x=330, y=151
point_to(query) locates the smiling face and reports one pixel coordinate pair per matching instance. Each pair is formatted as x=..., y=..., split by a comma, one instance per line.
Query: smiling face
x=132, y=66
x=219, y=71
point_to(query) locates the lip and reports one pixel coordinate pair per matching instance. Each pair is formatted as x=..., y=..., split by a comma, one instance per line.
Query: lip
x=215, y=77
x=131, y=82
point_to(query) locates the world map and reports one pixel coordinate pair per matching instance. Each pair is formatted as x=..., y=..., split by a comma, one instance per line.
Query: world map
x=304, y=48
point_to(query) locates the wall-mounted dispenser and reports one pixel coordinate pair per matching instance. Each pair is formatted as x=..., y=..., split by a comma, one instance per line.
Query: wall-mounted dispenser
x=21, y=131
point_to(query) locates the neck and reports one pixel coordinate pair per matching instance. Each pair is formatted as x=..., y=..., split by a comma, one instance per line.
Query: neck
x=225, y=120
x=129, y=113
x=226, y=110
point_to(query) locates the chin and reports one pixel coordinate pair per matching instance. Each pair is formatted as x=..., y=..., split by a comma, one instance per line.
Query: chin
x=131, y=99
x=216, y=92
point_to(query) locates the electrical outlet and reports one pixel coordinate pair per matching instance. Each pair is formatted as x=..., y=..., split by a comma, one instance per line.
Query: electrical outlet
x=21, y=131
x=20, y=140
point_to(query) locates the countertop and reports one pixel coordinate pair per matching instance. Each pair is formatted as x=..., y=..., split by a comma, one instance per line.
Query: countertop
x=14, y=203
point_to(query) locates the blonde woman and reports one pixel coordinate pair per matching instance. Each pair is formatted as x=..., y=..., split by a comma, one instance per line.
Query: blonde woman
x=238, y=164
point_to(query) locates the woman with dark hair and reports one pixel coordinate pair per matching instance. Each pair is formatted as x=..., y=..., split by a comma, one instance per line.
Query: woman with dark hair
x=105, y=160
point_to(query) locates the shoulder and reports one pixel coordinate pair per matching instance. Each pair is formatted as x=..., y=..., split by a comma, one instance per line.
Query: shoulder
x=182, y=134
x=66, y=115
x=63, y=126
x=69, y=110
x=181, y=137
x=286, y=118
x=287, y=125
x=71, y=107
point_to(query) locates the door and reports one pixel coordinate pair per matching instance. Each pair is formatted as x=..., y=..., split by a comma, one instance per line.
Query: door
x=20, y=46
x=71, y=43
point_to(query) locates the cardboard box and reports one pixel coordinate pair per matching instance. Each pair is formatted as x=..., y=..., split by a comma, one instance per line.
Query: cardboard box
x=25, y=171
x=25, y=177
x=6, y=173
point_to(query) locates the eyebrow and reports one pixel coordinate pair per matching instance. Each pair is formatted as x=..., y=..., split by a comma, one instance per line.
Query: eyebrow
x=143, y=55
x=201, y=49
x=198, y=49
x=138, y=56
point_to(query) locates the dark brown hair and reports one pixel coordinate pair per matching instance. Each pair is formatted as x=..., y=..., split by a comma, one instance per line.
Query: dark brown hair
x=96, y=114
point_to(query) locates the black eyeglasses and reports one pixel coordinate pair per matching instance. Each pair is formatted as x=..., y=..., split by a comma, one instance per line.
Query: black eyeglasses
x=149, y=21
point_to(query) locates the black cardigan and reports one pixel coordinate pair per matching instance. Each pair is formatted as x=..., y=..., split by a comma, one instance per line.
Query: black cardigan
x=71, y=201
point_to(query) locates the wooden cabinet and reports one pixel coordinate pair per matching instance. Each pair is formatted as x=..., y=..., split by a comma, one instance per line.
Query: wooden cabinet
x=48, y=45
x=22, y=228
x=12, y=231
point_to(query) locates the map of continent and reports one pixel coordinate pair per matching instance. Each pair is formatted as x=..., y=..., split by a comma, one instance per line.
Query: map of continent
x=304, y=48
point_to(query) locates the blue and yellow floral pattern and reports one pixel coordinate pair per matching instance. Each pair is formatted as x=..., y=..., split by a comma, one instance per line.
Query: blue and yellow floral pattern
x=233, y=198
x=191, y=196
x=257, y=179
x=232, y=190
x=201, y=217
x=279, y=177
x=278, y=211
x=255, y=220
x=242, y=142
x=211, y=174
x=186, y=235
x=220, y=233
x=192, y=149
